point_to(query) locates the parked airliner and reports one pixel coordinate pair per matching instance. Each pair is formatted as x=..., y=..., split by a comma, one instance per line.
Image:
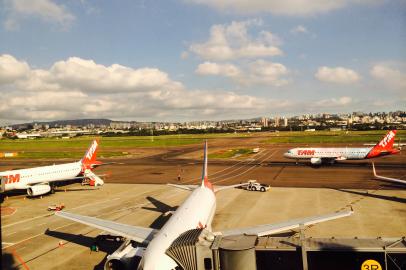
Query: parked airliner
x=40, y=180
x=320, y=154
x=197, y=211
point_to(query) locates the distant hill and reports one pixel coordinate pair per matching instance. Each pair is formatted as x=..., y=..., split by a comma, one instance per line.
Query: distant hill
x=74, y=122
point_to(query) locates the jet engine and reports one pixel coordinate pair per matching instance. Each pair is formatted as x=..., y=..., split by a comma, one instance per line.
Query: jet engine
x=38, y=190
x=125, y=257
x=315, y=161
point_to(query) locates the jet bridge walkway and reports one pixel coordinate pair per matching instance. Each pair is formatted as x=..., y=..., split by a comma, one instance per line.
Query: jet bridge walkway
x=199, y=249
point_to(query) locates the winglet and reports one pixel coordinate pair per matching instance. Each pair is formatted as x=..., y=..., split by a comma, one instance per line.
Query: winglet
x=205, y=180
x=373, y=169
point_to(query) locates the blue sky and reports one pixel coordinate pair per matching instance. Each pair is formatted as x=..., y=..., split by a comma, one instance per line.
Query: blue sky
x=194, y=59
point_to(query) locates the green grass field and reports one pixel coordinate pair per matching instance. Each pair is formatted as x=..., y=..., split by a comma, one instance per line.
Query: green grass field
x=117, y=146
x=76, y=147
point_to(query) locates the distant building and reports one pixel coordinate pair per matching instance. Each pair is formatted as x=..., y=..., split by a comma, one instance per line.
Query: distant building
x=264, y=122
x=277, y=121
x=285, y=122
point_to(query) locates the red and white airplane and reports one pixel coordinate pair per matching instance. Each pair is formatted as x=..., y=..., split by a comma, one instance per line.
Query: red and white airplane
x=40, y=180
x=318, y=155
x=197, y=211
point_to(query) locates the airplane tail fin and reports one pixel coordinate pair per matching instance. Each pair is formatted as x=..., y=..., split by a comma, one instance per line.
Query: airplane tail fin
x=387, y=142
x=205, y=180
x=385, y=146
x=89, y=159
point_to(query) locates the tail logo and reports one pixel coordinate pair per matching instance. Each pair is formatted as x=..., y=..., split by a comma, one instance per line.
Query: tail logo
x=91, y=151
x=387, y=139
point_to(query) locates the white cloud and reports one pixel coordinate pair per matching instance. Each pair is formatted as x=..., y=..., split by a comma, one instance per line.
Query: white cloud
x=210, y=68
x=259, y=72
x=86, y=74
x=267, y=73
x=300, y=29
x=334, y=102
x=338, y=75
x=286, y=7
x=392, y=75
x=46, y=10
x=11, y=69
x=79, y=88
x=228, y=42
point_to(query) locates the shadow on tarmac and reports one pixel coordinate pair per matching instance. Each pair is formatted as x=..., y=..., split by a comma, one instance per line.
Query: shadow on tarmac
x=376, y=196
x=160, y=207
x=107, y=246
x=8, y=262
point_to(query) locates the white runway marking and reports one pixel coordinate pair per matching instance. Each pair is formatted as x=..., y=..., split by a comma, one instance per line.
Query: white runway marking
x=7, y=245
x=10, y=234
x=48, y=215
x=169, y=195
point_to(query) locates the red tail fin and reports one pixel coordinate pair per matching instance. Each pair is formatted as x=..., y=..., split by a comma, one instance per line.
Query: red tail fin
x=387, y=142
x=89, y=159
x=385, y=146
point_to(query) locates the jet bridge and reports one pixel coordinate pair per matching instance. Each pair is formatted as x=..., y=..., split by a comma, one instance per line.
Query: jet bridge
x=200, y=249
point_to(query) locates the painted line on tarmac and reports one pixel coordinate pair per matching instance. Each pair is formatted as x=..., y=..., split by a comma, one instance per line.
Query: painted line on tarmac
x=66, y=225
x=19, y=259
x=10, y=234
x=34, y=236
x=48, y=215
x=25, y=220
x=7, y=244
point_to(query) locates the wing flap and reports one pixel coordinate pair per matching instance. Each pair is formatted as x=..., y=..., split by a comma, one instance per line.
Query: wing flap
x=268, y=229
x=138, y=234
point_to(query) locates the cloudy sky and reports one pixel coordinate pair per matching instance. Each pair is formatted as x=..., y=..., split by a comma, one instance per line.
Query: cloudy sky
x=177, y=60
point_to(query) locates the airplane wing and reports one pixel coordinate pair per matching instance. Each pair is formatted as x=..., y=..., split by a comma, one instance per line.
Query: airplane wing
x=268, y=229
x=185, y=187
x=136, y=233
x=387, y=178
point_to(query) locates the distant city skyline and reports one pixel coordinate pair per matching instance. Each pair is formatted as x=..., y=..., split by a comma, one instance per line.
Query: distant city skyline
x=187, y=60
x=277, y=120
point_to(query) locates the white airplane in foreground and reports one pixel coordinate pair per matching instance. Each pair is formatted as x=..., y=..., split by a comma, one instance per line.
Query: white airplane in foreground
x=40, y=180
x=320, y=154
x=197, y=211
x=384, y=178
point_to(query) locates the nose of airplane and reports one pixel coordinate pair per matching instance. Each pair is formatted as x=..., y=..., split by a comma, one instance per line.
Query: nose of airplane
x=287, y=154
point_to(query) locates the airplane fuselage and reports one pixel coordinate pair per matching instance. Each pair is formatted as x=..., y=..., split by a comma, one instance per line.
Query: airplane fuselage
x=332, y=153
x=196, y=212
x=23, y=178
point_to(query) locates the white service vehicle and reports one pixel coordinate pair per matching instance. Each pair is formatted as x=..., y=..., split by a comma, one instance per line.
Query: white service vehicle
x=253, y=185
